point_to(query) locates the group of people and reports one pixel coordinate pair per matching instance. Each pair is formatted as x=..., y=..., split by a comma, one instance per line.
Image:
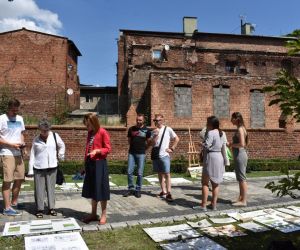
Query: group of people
x=48, y=149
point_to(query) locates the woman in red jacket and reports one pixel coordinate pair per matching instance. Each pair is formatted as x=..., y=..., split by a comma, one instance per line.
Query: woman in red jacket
x=96, y=181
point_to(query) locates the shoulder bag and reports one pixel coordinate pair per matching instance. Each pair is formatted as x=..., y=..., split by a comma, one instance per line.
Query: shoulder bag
x=155, y=150
x=60, y=179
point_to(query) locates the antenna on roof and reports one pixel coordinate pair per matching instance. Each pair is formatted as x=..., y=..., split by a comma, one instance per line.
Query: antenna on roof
x=246, y=28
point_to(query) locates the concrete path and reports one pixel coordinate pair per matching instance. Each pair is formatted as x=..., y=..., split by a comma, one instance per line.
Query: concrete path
x=123, y=212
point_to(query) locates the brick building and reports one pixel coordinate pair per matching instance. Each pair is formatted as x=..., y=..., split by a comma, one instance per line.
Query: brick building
x=190, y=75
x=40, y=70
x=103, y=100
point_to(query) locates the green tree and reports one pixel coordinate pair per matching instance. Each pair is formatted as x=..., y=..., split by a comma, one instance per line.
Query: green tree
x=286, y=93
x=5, y=96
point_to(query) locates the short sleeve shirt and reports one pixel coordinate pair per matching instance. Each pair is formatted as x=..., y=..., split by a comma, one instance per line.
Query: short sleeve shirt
x=138, y=138
x=168, y=136
x=11, y=130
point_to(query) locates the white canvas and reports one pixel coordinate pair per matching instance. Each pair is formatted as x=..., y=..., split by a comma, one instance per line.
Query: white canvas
x=40, y=226
x=182, y=231
x=199, y=224
x=222, y=220
x=62, y=241
x=253, y=227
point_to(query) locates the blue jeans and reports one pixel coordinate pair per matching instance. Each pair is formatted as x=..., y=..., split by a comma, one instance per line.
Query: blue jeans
x=139, y=161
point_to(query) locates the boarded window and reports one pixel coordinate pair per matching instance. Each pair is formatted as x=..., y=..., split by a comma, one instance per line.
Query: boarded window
x=257, y=109
x=221, y=101
x=183, y=101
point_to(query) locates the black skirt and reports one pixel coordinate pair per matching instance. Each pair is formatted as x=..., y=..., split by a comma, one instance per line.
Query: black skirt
x=96, y=180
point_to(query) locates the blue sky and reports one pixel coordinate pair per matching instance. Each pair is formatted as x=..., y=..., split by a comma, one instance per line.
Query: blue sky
x=93, y=25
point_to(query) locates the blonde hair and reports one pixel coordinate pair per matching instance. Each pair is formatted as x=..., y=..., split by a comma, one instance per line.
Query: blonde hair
x=158, y=115
x=93, y=120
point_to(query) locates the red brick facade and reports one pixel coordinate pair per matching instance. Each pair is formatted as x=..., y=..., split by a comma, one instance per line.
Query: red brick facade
x=38, y=69
x=264, y=143
x=201, y=62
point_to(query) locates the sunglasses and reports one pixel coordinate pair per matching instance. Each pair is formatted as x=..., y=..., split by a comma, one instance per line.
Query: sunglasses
x=156, y=120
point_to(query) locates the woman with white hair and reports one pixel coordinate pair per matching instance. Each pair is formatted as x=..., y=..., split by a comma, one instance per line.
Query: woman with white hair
x=43, y=165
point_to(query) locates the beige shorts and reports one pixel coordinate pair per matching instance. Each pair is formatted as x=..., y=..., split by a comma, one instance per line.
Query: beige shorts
x=12, y=168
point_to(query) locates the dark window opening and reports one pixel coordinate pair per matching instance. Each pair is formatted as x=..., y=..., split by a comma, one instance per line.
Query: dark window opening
x=231, y=67
x=88, y=98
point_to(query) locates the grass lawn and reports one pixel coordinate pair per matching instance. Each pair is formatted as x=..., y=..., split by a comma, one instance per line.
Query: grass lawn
x=136, y=238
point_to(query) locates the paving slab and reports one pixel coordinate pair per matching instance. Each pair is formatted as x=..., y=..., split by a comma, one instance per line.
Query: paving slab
x=131, y=211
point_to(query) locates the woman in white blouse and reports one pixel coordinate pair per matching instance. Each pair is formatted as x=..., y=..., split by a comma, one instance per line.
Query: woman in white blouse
x=43, y=164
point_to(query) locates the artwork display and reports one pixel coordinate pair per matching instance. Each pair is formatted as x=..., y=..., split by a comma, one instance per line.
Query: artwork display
x=40, y=226
x=63, y=241
x=277, y=223
x=253, y=227
x=227, y=230
x=199, y=224
x=227, y=220
x=177, y=232
x=201, y=243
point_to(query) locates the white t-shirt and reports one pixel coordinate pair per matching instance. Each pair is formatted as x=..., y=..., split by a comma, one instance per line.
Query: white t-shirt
x=10, y=131
x=169, y=134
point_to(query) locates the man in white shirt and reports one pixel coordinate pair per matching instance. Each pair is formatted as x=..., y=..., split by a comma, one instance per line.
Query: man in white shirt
x=11, y=161
x=162, y=136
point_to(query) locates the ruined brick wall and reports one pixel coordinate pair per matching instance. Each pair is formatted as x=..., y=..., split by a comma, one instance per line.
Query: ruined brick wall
x=243, y=64
x=34, y=66
x=264, y=143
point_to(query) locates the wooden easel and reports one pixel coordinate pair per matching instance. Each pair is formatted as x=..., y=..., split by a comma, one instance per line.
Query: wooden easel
x=192, y=153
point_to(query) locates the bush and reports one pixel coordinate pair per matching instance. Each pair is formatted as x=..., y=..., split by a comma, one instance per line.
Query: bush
x=180, y=166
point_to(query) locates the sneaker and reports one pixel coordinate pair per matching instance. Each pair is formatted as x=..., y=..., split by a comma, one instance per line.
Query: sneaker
x=128, y=193
x=10, y=212
x=137, y=194
x=169, y=197
x=17, y=206
x=200, y=208
x=213, y=208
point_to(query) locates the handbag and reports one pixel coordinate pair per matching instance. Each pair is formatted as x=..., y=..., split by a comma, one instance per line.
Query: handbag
x=155, y=150
x=60, y=179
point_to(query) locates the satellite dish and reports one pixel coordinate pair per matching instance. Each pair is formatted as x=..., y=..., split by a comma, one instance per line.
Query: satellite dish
x=167, y=47
x=70, y=91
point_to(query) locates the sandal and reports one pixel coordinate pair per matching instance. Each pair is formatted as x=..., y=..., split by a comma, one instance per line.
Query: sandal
x=39, y=214
x=52, y=212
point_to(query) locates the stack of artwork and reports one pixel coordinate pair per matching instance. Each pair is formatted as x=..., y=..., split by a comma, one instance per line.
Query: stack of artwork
x=234, y=224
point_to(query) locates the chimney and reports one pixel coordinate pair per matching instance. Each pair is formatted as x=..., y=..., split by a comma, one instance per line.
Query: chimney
x=189, y=25
x=247, y=28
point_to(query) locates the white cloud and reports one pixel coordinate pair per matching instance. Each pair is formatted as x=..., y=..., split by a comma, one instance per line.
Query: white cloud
x=25, y=13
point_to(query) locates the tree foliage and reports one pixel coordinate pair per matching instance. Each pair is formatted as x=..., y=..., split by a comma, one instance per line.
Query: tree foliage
x=5, y=95
x=286, y=93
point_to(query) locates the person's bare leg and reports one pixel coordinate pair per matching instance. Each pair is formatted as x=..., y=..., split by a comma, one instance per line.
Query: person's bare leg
x=6, y=194
x=93, y=215
x=168, y=182
x=205, y=190
x=162, y=182
x=215, y=193
x=16, y=191
x=103, y=212
x=243, y=191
